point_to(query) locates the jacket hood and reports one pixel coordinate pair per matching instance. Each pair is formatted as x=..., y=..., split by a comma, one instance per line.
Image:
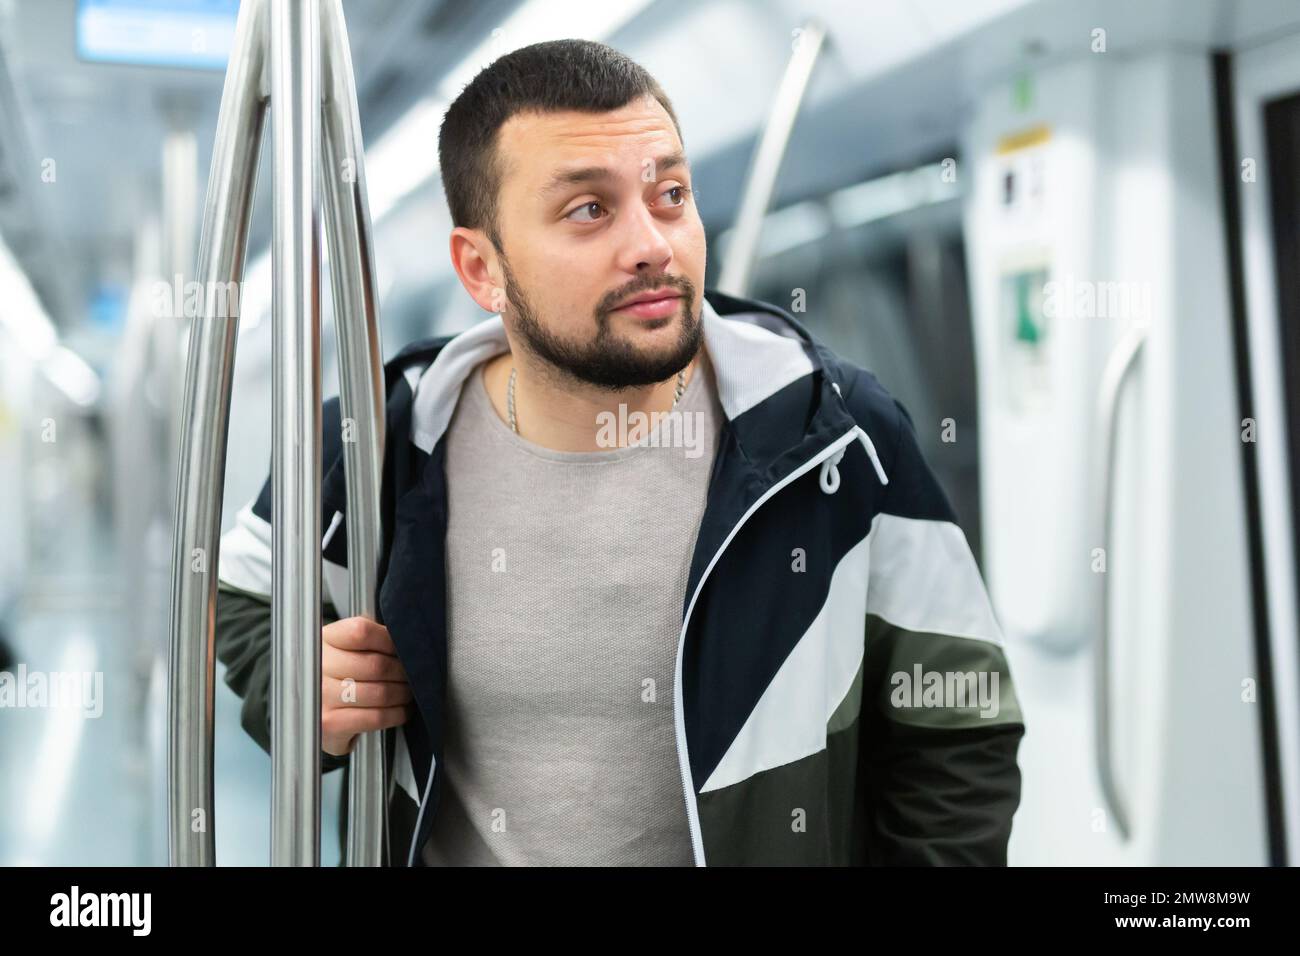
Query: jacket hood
x=776, y=384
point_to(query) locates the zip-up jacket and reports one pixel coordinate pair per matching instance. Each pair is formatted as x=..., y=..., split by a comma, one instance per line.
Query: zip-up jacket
x=841, y=694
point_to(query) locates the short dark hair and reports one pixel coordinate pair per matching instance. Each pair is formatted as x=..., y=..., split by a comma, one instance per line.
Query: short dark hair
x=544, y=77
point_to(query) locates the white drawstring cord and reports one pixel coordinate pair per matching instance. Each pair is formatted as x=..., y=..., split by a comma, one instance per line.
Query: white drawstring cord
x=871, y=453
x=830, y=477
x=830, y=474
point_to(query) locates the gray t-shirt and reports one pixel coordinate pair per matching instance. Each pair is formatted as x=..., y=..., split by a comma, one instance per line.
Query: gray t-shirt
x=566, y=573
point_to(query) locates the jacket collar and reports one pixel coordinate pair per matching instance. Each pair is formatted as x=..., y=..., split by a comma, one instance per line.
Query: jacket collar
x=757, y=352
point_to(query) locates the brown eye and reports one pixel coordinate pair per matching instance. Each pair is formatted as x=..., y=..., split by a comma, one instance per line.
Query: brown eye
x=683, y=190
x=584, y=206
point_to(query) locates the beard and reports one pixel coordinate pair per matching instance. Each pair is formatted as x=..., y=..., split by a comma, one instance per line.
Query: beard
x=607, y=360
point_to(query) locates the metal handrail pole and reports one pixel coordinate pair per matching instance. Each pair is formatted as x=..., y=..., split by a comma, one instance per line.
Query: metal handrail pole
x=295, y=435
x=356, y=324
x=760, y=182
x=202, y=457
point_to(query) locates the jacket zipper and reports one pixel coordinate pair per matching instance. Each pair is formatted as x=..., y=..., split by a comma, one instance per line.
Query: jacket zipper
x=679, y=720
x=683, y=758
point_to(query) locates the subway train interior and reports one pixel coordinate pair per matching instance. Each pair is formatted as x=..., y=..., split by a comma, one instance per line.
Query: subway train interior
x=1063, y=234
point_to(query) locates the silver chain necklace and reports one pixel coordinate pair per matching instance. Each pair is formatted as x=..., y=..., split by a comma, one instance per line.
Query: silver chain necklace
x=510, y=396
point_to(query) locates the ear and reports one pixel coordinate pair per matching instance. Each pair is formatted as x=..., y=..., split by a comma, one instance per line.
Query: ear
x=475, y=260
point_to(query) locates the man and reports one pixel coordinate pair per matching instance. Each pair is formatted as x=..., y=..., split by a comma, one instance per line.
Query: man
x=664, y=581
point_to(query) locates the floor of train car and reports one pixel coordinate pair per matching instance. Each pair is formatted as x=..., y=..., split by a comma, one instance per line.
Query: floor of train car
x=83, y=790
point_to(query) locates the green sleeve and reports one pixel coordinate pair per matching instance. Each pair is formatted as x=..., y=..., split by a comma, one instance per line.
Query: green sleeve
x=943, y=785
x=244, y=647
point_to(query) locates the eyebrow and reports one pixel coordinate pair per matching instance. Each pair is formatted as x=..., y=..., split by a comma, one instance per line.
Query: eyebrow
x=590, y=174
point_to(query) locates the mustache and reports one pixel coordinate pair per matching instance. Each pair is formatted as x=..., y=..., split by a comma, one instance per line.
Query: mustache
x=680, y=283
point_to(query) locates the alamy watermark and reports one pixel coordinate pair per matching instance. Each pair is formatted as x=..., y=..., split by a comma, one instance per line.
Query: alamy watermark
x=192, y=300
x=671, y=429
x=1071, y=298
x=129, y=910
x=53, y=690
x=948, y=689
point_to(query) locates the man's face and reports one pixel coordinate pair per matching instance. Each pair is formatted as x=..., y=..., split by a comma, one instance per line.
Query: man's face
x=595, y=208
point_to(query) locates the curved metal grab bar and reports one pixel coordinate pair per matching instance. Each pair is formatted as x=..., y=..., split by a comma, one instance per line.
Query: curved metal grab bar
x=1116, y=372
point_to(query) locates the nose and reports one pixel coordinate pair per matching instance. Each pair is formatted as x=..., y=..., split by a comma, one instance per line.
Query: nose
x=644, y=248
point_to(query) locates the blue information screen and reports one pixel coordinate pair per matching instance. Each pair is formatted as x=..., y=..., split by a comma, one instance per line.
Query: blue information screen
x=195, y=34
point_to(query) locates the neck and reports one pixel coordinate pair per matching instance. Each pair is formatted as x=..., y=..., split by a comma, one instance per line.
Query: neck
x=558, y=413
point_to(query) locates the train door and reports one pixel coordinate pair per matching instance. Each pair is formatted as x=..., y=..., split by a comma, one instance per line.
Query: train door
x=1265, y=87
x=1116, y=536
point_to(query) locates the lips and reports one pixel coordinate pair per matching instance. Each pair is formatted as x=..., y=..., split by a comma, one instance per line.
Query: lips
x=657, y=295
x=651, y=305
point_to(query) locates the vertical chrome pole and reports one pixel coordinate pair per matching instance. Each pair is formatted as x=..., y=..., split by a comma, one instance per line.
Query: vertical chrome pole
x=738, y=259
x=356, y=323
x=296, y=466
x=202, y=462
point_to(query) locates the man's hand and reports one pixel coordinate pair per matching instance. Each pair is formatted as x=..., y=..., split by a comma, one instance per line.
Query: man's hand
x=363, y=685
